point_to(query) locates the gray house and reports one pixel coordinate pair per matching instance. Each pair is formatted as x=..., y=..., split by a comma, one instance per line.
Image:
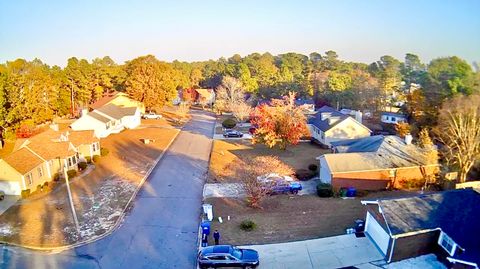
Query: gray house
x=445, y=223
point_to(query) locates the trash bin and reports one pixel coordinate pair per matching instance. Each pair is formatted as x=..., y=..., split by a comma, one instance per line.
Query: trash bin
x=208, y=211
x=205, y=227
x=359, y=226
x=351, y=192
x=343, y=192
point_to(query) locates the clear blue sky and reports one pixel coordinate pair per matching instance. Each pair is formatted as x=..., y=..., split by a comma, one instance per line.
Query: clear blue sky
x=359, y=30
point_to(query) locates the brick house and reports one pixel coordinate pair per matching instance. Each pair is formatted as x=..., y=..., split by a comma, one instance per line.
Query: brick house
x=374, y=163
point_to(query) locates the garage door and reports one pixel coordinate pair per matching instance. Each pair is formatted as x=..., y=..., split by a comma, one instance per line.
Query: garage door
x=10, y=187
x=377, y=233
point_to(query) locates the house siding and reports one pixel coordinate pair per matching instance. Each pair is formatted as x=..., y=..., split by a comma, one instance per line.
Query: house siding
x=37, y=179
x=10, y=179
x=347, y=129
x=88, y=123
x=380, y=179
x=415, y=245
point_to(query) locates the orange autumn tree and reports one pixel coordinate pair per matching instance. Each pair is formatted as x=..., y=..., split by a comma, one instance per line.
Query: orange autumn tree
x=280, y=123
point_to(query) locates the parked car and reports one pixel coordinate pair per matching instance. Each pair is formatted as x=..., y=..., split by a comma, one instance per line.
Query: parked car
x=232, y=133
x=227, y=256
x=284, y=187
x=152, y=115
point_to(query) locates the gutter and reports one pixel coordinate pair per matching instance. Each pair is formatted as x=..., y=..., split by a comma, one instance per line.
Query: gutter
x=453, y=260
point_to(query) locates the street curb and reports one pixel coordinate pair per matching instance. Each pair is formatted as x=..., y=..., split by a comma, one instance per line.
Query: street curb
x=119, y=220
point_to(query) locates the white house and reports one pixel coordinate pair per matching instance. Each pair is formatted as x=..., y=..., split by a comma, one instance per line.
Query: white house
x=329, y=125
x=445, y=223
x=108, y=119
x=393, y=118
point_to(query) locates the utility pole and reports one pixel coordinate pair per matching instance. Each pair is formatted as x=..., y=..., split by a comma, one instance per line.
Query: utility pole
x=72, y=207
x=71, y=98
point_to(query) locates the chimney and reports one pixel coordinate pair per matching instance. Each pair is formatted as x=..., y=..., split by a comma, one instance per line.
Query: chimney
x=54, y=127
x=408, y=139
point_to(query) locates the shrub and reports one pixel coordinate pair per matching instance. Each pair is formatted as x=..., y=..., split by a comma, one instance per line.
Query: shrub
x=45, y=184
x=88, y=159
x=82, y=165
x=324, y=190
x=96, y=158
x=25, y=193
x=303, y=174
x=71, y=173
x=313, y=167
x=39, y=187
x=104, y=151
x=229, y=123
x=248, y=225
x=56, y=177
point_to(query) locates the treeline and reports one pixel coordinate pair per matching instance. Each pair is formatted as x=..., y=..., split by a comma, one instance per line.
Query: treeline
x=33, y=92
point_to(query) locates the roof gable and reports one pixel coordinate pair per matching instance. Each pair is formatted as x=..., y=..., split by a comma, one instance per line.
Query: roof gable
x=23, y=160
x=326, y=117
x=455, y=212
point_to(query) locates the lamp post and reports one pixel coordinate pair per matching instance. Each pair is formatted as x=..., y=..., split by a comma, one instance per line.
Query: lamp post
x=72, y=207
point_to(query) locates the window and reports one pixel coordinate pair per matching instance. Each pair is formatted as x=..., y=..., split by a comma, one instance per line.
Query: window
x=394, y=119
x=447, y=243
x=69, y=161
x=72, y=161
x=95, y=146
x=29, y=179
x=40, y=172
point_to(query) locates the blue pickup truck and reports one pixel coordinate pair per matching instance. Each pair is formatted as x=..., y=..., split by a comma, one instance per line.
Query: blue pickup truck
x=283, y=187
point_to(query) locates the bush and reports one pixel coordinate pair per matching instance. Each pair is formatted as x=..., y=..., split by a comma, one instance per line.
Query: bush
x=56, y=177
x=82, y=165
x=25, y=193
x=45, y=184
x=96, y=158
x=229, y=123
x=71, y=173
x=304, y=174
x=248, y=225
x=313, y=167
x=104, y=151
x=39, y=187
x=324, y=190
x=88, y=159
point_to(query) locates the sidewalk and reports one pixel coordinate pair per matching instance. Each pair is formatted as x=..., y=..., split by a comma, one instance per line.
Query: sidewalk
x=329, y=252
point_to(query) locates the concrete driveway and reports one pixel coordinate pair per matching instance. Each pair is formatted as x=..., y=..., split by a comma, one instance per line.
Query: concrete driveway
x=324, y=253
x=8, y=202
x=236, y=190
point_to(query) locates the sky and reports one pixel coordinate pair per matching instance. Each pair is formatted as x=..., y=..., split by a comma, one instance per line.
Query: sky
x=362, y=31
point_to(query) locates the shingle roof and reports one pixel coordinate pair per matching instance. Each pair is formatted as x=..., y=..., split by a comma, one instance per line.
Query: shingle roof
x=105, y=99
x=98, y=117
x=456, y=212
x=23, y=160
x=326, y=118
x=117, y=112
x=366, y=144
x=82, y=137
x=393, y=114
x=51, y=150
x=384, y=152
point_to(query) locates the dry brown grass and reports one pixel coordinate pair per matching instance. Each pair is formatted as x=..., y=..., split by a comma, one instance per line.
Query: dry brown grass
x=225, y=152
x=289, y=217
x=45, y=220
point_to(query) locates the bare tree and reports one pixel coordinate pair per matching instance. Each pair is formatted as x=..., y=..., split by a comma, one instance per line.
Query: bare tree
x=183, y=109
x=249, y=172
x=230, y=92
x=241, y=111
x=459, y=131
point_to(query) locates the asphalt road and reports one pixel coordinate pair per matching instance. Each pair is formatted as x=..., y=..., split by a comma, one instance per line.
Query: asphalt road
x=161, y=229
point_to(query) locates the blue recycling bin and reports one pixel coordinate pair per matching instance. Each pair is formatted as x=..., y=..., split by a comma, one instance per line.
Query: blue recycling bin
x=205, y=227
x=351, y=192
